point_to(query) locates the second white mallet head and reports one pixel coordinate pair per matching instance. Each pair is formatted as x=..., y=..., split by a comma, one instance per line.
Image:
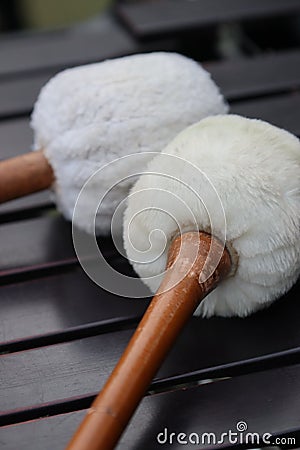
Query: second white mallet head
x=214, y=219
x=238, y=179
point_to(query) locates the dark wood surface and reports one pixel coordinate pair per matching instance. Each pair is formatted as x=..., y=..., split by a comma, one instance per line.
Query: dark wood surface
x=272, y=73
x=203, y=344
x=214, y=407
x=150, y=18
x=60, y=334
x=28, y=52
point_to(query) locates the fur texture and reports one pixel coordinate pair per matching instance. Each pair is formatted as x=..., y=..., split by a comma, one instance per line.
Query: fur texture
x=88, y=116
x=255, y=169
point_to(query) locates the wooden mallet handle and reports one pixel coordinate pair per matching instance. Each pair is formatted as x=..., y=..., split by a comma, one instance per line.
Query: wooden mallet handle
x=165, y=317
x=24, y=175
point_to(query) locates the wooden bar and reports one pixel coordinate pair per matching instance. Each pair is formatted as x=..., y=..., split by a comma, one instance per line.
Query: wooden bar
x=270, y=73
x=19, y=95
x=282, y=111
x=55, y=304
x=152, y=18
x=16, y=137
x=62, y=48
x=203, y=344
x=35, y=243
x=217, y=407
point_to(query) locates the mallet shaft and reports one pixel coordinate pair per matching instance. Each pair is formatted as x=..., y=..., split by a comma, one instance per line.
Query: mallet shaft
x=165, y=317
x=24, y=175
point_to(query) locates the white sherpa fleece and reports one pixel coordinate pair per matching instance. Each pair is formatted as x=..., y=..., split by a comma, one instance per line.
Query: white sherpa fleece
x=88, y=116
x=255, y=169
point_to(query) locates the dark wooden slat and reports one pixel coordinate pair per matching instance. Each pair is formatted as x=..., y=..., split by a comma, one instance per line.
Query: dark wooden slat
x=260, y=75
x=34, y=377
x=58, y=49
x=35, y=242
x=57, y=303
x=43, y=242
x=18, y=95
x=147, y=19
x=33, y=204
x=269, y=402
x=39, y=435
x=16, y=137
x=238, y=79
x=44, y=375
x=282, y=111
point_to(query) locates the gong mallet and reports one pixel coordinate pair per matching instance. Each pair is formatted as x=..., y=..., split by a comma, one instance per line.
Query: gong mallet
x=88, y=116
x=254, y=168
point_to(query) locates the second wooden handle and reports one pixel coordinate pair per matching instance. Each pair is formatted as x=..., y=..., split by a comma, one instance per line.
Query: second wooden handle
x=178, y=297
x=24, y=175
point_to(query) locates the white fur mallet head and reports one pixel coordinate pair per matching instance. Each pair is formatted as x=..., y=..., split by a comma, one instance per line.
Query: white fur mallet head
x=88, y=116
x=238, y=179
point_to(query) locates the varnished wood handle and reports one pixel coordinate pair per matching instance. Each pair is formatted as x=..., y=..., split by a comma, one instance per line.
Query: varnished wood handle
x=24, y=175
x=178, y=296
